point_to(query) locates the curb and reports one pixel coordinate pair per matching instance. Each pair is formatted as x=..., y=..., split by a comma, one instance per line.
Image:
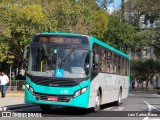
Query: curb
x=19, y=106
x=144, y=91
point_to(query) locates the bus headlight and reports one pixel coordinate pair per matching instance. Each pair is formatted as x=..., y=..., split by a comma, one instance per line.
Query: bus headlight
x=27, y=86
x=30, y=88
x=79, y=92
x=83, y=90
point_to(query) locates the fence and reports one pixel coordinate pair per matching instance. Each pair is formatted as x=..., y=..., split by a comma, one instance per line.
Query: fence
x=16, y=85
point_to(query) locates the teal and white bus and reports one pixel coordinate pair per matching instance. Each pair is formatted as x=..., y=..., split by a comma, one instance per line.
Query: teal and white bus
x=75, y=70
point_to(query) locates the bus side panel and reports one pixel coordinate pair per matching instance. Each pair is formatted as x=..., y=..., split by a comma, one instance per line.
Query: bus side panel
x=110, y=85
x=125, y=87
x=111, y=88
x=95, y=84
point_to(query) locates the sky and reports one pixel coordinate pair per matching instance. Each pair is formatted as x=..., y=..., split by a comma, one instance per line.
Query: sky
x=115, y=5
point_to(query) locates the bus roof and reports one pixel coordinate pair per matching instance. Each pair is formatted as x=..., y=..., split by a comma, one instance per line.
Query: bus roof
x=92, y=38
x=59, y=33
x=95, y=40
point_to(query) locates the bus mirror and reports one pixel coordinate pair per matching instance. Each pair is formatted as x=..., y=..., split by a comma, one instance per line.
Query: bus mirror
x=24, y=64
x=96, y=59
x=25, y=52
x=87, y=65
x=87, y=68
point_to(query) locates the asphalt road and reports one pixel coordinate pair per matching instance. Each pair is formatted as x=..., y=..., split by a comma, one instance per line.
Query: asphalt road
x=138, y=106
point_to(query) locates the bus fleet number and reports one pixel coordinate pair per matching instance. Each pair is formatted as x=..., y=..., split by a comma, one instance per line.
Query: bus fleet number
x=64, y=91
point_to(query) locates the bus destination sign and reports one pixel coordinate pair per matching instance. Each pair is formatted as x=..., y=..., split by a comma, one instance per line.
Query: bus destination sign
x=61, y=39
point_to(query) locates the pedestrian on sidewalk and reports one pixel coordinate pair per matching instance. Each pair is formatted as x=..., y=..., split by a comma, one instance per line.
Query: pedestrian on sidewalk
x=4, y=81
x=133, y=83
x=0, y=79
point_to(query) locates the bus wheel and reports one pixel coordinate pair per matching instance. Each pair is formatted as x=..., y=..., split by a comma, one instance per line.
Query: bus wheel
x=97, y=103
x=45, y=108
x=118, y=102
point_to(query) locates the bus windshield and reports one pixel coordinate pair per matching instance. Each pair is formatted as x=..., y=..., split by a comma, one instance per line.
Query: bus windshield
x=45, y=60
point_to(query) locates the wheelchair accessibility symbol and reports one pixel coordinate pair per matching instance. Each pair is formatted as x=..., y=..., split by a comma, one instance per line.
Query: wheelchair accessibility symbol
x=59, y=73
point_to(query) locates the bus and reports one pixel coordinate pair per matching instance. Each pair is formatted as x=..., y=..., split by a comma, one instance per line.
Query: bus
x=75, y=70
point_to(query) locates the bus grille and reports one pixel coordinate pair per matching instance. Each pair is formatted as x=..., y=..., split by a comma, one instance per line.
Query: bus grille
x=61, y=98
x=55, y=83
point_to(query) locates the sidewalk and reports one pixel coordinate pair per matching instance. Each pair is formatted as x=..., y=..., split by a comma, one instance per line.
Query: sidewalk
x=13, y=100
x=140, y=90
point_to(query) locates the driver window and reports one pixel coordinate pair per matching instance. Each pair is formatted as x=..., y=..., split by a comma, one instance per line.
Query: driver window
x=86, y=64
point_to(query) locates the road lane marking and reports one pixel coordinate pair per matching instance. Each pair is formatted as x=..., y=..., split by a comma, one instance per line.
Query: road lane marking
x=131, y=95
x=107, y=109
x=150, y=109
x=147, y=118
x=156, y=95
x=119, y=109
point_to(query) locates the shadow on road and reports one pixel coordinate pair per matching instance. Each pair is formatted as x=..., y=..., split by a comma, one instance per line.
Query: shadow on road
x=67, y=111
x=73, y=111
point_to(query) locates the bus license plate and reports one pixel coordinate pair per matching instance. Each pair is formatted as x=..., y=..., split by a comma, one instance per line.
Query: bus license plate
x=52, y=98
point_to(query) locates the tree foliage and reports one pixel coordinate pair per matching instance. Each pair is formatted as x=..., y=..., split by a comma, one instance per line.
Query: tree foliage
x=147, y=9
x=120, y=34
x=144, y=15
x=144, y=70
x=19, y=20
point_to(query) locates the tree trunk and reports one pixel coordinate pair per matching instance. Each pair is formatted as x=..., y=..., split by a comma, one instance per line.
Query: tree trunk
x=142, y=85
x=146, y=85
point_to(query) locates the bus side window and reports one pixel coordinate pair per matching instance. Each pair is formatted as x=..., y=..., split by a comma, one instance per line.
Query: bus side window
x=123, y=67
x=119, y=64
x=102, y=61
x=95, y=61
x=109, y=62
x=115, y=63
x=126, y=67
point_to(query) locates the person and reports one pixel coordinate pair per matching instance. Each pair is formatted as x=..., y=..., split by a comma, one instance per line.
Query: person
x=4, y=81
x=0, y=80
x=133, y=85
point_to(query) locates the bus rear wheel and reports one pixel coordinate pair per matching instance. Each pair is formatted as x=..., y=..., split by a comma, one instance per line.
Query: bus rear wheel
x=97, y=106
x=118, y=102
x=45, y=108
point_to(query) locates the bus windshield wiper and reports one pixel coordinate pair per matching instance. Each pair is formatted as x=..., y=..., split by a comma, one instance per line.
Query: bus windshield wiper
x=46, y=52
x=64, y=59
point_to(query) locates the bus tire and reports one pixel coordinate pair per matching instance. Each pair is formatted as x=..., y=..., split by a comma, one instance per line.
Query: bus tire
x=97, y=106
x=118, y=102
x=45, y=108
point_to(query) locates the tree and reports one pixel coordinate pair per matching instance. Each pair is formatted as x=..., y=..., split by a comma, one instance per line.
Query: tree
x=136, y=10
x=100, y=24
x=120, y=34
x=20, y=20
x=144, y=70
x=156, y=42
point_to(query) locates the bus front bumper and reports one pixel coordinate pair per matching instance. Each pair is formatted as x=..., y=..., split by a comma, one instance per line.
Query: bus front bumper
x=79, y=101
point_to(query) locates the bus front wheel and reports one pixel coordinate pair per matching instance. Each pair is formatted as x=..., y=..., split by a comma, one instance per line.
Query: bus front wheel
x=45, y=108
x=97, y=103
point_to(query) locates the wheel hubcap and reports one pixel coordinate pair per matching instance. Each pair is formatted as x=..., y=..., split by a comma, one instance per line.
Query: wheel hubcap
x=97, y=103
x=119, y=99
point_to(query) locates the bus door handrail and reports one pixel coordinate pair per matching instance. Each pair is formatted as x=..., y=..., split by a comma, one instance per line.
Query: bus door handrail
x=42, y=65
